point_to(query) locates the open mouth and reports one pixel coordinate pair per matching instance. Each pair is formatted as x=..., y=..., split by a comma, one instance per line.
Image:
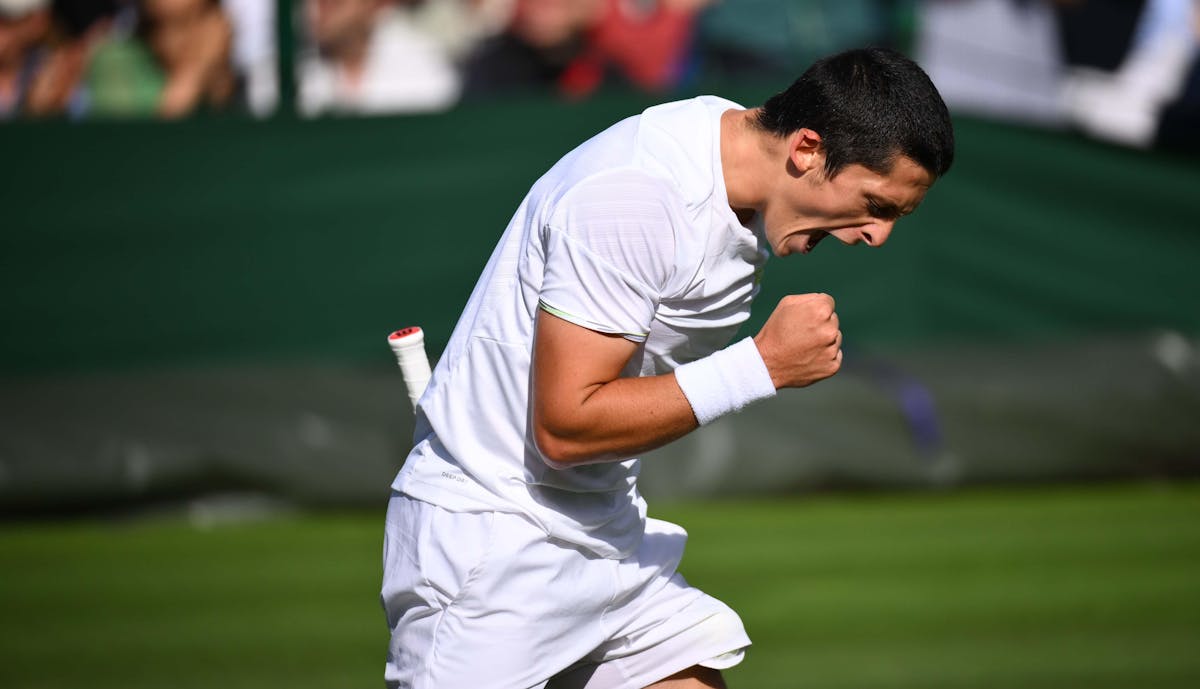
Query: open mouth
x=812, y=240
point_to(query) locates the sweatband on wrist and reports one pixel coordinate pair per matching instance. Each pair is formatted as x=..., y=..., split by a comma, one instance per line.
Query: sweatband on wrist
x=725, y=381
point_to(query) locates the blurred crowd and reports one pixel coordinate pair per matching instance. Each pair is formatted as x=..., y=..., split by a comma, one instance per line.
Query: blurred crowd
x=173, y=57
x=378, y=55
x=1125, y=70
x=167, y=58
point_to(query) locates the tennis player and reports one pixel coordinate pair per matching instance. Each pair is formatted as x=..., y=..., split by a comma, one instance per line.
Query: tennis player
x=518, y=552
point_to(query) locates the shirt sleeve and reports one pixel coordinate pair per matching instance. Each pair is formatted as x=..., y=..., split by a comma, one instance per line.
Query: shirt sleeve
x=610, y=249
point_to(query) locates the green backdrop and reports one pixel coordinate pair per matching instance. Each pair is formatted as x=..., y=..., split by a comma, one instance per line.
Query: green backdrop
x=201, y=306
x=126, y=244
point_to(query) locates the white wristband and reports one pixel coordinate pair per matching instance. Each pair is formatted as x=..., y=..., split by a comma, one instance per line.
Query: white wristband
x=725, y=381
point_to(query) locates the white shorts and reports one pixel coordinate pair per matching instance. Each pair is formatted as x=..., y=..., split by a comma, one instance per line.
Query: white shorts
x=486, y=601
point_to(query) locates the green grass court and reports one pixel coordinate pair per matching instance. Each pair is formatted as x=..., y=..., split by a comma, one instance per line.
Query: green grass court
x=1035, y=588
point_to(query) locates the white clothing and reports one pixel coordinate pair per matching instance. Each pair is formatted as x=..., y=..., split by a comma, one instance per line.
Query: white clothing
x=499, y=570
x=254, y=52
x=995, y=58
x=484, y=601
x=1125, y=106
x=631, y=233
x=406, y=71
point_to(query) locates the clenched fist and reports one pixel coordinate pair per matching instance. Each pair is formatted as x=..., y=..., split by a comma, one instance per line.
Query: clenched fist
x=801, y=343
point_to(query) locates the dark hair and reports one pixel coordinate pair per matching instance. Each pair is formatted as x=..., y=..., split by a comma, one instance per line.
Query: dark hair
x=869, y=105
x=77, y=16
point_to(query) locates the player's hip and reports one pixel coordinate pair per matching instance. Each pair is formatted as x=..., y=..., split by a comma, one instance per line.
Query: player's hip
x=486, y=599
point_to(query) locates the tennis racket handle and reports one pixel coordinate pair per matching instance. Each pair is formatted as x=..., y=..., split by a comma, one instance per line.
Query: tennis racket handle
x=408, y=344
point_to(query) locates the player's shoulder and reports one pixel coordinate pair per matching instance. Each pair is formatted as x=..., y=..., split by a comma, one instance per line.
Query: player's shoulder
x=625, y=219
x=688, y=107
x=630, y=181
x=627, y=194
x=681, y=141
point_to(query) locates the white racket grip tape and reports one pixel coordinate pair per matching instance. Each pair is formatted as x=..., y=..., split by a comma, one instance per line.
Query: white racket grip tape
x=408, y=344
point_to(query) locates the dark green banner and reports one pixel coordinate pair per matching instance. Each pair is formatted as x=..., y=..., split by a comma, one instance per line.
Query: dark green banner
x=218, y=241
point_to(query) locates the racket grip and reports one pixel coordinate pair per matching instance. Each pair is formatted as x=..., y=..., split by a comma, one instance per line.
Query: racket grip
x=408, y=344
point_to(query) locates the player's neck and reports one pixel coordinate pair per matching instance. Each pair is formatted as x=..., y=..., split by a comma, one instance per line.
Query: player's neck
x=745, y=160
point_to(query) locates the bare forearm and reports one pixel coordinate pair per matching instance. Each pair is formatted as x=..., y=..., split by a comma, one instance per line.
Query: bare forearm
x=614, y=421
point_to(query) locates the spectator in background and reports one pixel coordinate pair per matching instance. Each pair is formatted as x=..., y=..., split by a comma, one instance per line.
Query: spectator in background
x=1120, y=70
x=165, y=58
x=574, y=46
x=996, y=58
x=254, y=53
x=24, y=26
x=1126, y=105
x=192, y=40
x=648, y=43
x=458, y=26
x=541, y=49
x=367, y=57
x=78, y=28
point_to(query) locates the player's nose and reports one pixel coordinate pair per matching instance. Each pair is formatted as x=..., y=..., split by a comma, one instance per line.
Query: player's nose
x=876, y=234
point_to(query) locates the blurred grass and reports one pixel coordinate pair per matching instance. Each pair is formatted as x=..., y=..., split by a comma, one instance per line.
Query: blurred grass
x=1065, y=587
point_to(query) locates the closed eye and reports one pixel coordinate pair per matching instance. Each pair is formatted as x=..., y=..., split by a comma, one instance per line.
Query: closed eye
x=882, y=210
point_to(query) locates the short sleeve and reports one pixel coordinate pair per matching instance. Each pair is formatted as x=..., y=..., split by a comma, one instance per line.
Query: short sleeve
x=610, y=249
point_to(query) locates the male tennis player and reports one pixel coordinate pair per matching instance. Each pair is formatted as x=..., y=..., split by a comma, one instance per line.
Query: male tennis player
x=518, y=553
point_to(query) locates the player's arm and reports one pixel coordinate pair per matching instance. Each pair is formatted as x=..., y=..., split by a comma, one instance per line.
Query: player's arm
x=583, y=412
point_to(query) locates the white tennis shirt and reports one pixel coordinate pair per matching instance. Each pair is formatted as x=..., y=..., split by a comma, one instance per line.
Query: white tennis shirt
x=630, y=233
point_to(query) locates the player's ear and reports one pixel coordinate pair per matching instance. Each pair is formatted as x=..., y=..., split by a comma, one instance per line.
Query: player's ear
x=805, y=150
